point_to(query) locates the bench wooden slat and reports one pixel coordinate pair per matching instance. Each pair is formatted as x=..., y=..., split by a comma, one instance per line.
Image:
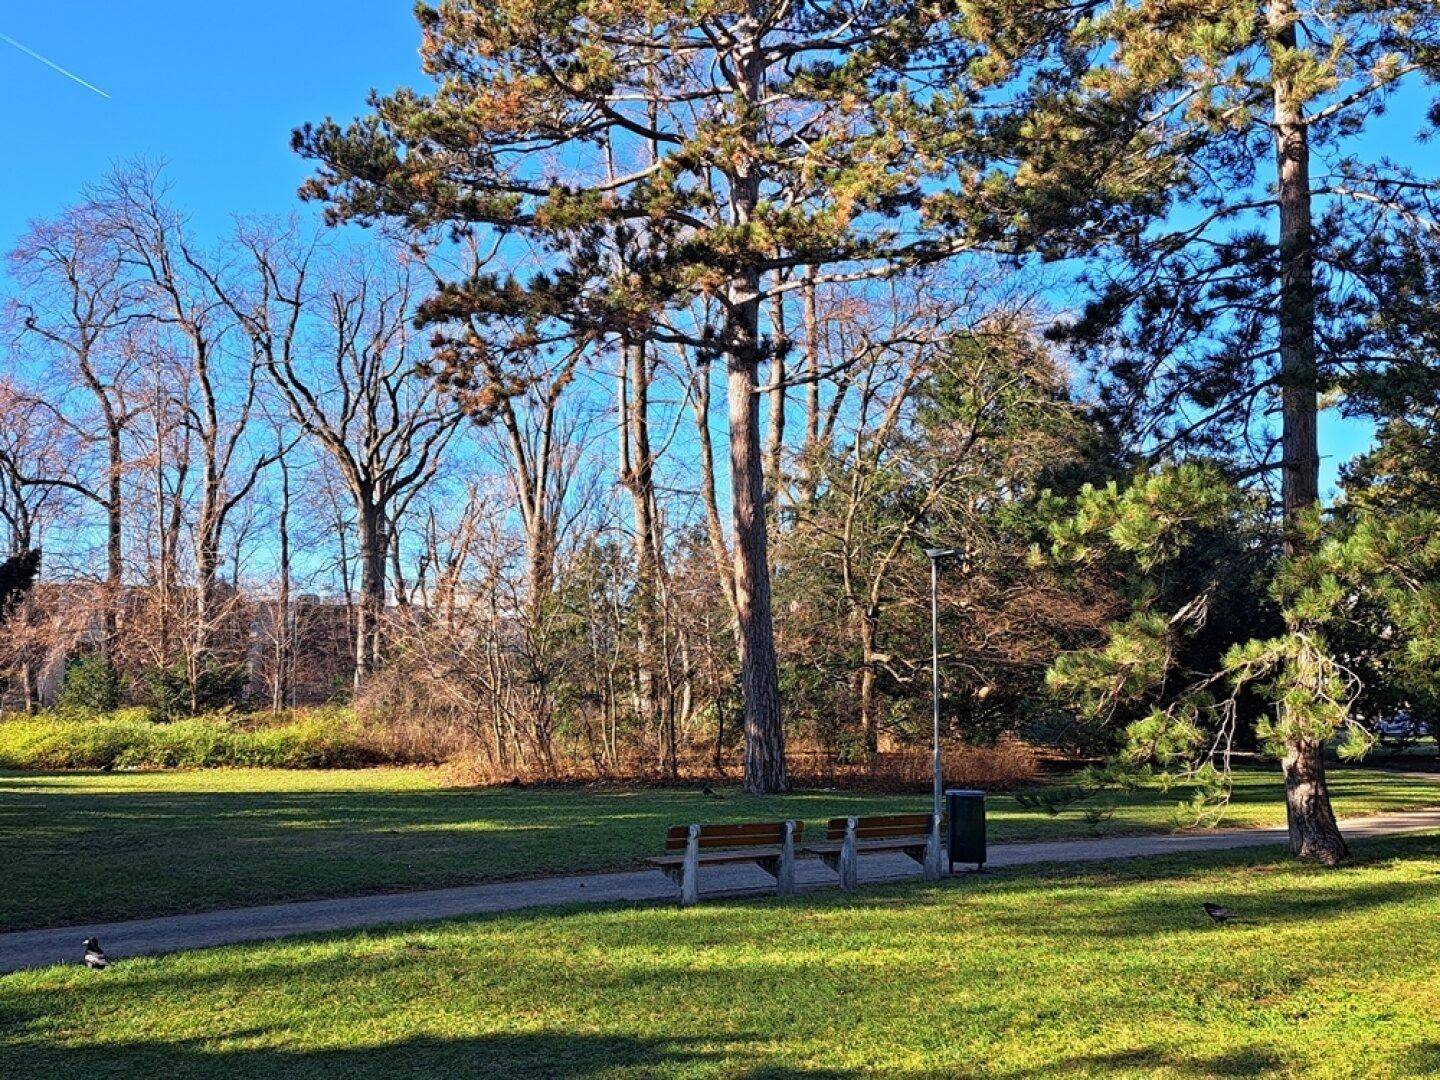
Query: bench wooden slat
x=896, y=843
x=882, y=827
x=749, y=854
x=746, y=835
x=729, y=828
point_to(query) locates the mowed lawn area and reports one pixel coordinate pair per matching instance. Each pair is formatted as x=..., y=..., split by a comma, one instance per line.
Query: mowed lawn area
x=87, y=847
x=1102, y=971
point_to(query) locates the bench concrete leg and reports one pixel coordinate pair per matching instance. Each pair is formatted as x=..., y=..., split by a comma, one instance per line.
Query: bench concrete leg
x=785, y=872
x=690, y=872
x=849, y=863
x=932, y=850
x=782, y=867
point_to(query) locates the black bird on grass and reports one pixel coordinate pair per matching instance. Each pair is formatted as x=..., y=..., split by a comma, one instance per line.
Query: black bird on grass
x=1219, y=914
x=95, y=958
x=708, y=792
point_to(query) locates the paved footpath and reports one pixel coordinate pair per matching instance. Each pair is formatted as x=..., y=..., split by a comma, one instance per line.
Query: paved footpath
x=38, y=948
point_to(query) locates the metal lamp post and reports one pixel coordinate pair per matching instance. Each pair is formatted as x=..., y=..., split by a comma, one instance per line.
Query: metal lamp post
x=935, y=555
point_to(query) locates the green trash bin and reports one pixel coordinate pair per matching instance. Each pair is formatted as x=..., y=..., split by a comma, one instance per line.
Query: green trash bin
x=965, y=811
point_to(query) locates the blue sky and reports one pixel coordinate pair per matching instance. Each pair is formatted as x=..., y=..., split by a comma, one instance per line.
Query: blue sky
x=214, y=90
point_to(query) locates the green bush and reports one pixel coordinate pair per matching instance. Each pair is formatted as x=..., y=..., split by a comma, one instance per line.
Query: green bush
x=322, y=739
x=217, y=686
x=92, y=686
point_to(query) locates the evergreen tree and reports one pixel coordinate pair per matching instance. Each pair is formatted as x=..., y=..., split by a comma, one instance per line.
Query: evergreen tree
x=1400, y=474
x=952, y=444
x=1222, y=293
x=17, y=577
x=1353, y=609
x=680, y=168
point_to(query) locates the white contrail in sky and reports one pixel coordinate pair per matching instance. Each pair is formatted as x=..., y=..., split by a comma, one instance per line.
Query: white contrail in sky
x=51, y=64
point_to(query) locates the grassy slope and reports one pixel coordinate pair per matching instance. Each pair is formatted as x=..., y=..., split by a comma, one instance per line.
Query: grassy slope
x=90, y=847
x=1078, y=973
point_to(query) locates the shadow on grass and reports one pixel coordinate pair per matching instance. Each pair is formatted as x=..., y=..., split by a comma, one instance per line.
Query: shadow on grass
x=512, y=1056
x=1241, y=1061
x=1422, y=1060
x=92, y=856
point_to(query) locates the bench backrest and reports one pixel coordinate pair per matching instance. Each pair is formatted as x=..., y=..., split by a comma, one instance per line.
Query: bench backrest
x=884, y=827
x=755, y=834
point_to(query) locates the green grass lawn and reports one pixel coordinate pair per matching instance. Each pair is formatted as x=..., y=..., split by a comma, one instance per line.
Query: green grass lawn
x=1063, y=972
x=85, y=847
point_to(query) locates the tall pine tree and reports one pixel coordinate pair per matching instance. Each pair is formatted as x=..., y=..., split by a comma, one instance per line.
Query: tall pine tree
x=679, y=168
x=1222, y=299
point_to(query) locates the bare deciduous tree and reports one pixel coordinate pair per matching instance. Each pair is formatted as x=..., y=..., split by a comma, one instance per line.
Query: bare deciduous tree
x=335, y=338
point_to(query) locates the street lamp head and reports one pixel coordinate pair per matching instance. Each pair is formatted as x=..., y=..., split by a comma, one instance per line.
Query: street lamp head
x=943, y=553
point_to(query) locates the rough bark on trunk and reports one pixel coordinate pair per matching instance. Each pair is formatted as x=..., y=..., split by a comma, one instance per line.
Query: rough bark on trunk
x=759, y=676
x=1313, y=832
x=1309, y=816
x=765, y=771
x=373, y=549
x=638, y=473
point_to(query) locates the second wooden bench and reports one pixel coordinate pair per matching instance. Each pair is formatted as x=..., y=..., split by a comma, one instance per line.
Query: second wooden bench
x=770, y=845
x=846, y=839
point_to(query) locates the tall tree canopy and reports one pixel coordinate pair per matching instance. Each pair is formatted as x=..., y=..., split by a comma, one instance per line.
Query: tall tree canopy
x=681, y=167
x=1234, y=283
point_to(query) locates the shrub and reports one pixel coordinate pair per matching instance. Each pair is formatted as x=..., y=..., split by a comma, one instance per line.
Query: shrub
x=65, y=743
x=324, y=738
x=217, y=686
x=92, y=686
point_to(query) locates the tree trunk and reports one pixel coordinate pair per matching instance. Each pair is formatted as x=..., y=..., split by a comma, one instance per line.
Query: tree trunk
x=283, y=629
x=114, y=552
x=714, y=528
x=373, y=550
x=755, y=627
x=1313, y=832
x=775, y=438
x=759, y=675
x=207, y=565
x=1298, y=381
x=808, y=477
x=29, y=693
x=638, y=473
x=869, y=721
x=209, y=528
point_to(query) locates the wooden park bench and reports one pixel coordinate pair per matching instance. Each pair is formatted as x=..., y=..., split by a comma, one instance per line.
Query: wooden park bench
x=770, y=845
x=846, y=839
